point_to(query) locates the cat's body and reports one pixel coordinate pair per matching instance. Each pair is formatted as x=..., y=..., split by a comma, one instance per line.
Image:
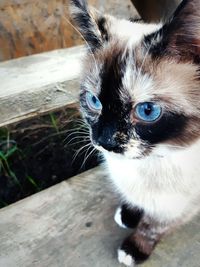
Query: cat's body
x=140, y=96
x=167, y=200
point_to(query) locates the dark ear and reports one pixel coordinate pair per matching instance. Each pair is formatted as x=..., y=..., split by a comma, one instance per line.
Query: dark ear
x=180, y=37
x=90, y=23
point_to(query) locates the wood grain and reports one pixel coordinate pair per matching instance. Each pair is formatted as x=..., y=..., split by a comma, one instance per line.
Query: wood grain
x=71, y=225
x=38, y=84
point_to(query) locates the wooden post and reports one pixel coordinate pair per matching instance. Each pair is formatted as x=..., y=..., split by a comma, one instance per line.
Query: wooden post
x=155, y=10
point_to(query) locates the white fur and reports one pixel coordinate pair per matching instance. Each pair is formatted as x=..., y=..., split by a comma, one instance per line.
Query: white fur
x=118, y=218
x=142, y=83
x=166, y=184
x=132, y=32
x=125, y=258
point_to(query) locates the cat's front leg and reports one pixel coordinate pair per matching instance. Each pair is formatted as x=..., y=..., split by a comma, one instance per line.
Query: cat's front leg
x=139, y=246
x=127, y=216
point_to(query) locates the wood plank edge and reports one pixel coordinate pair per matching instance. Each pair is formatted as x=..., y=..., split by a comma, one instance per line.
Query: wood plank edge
x=37, y=102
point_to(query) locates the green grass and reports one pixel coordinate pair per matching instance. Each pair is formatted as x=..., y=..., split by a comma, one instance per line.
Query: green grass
x=7, y=149
x=16, y=176
x=54, y=121
x=33, y=182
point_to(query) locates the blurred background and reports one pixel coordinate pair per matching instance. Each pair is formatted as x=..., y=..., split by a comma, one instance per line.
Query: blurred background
x=33, y=26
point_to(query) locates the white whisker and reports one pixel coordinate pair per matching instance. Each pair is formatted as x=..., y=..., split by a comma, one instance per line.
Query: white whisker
x=75, y=143
x=78, y=133
x=87, y=157
x=78, y=152
x=83, y=39
x=143, y=61
x=172, y=146
x=85, y=138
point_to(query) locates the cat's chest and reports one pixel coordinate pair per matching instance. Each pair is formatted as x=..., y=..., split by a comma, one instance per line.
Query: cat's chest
x=161, y=187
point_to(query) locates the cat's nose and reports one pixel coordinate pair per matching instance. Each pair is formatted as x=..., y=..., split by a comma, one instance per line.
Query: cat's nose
x=107, y=143
x=105, y=136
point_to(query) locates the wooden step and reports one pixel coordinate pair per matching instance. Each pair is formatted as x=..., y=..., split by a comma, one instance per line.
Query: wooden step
x=37, y=84
x=71, y=225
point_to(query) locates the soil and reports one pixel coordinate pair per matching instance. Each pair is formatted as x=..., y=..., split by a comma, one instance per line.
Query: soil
x=43, y=152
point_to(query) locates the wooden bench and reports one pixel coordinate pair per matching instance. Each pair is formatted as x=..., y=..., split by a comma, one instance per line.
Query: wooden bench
x=71, y=224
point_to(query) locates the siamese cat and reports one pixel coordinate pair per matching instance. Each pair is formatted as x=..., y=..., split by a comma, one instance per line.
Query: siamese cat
x=140, y=97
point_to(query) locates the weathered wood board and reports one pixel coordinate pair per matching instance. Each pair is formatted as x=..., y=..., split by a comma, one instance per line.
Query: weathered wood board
x=71, y=225
x=39, y=83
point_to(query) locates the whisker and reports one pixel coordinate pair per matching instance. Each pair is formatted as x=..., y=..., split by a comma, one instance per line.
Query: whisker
x=86, y=158
x=143, y=61
x=85, y=155
x=77, y=128
x=78, y=152
x=75, y=143
x=66, y=20
x=78, y=137
x=101, y=157
x=172, y=146
x=49, y=136
x=78, y=133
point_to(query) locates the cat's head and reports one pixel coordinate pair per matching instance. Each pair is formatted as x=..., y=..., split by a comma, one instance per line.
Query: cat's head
x=141, y=83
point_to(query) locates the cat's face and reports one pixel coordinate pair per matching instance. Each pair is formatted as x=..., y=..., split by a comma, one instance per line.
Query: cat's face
x=140, y=90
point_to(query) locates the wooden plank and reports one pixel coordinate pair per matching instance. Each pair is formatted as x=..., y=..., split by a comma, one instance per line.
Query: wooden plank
x=155, y=10
x=36, y=84
x=71, y=224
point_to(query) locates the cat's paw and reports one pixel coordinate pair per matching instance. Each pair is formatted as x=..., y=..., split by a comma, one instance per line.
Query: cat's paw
x=130, y=253
x=125, y=258
x=118, y=218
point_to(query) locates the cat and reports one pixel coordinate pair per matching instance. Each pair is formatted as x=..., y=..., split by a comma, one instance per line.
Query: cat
x=140, y=97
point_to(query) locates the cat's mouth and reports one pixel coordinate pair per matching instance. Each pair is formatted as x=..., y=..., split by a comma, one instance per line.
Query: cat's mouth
x=120, y=152
x=108, y=148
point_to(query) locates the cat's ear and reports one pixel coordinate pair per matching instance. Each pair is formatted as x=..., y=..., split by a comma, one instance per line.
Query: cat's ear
x=91, y=23
x=180, y=37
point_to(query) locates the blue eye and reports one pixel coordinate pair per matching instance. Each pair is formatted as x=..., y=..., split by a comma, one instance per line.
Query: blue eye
x=148, y=111
x=93, y=102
